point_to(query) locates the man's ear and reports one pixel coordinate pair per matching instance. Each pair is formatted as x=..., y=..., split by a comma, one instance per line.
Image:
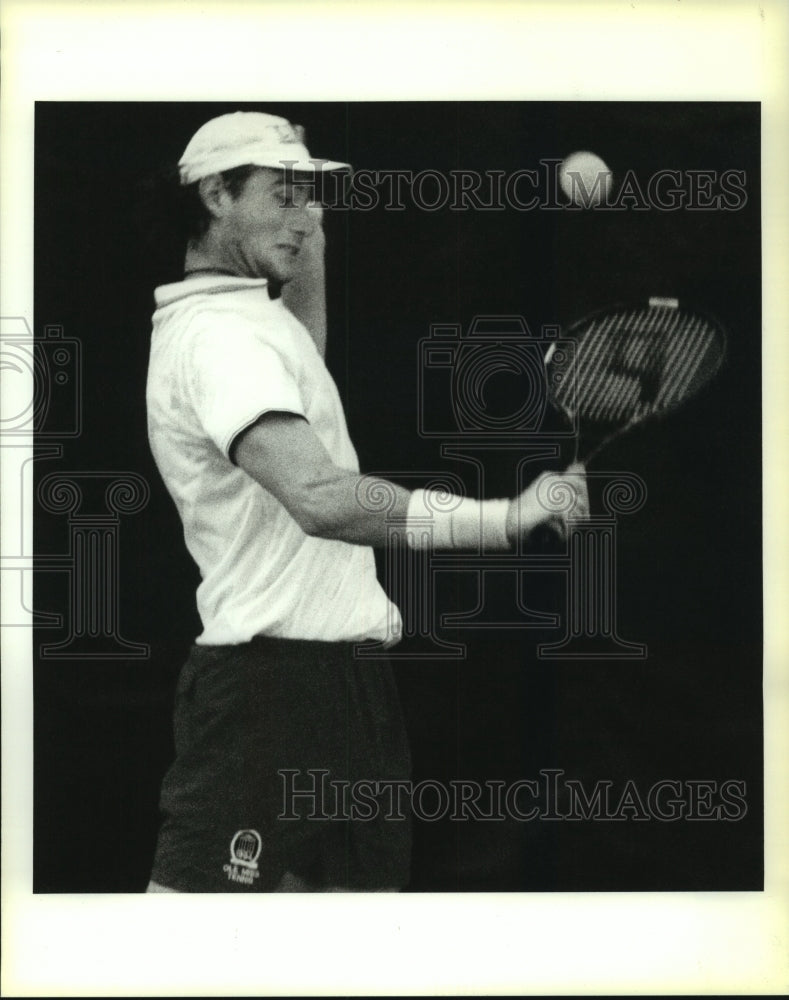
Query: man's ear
x=214, y=195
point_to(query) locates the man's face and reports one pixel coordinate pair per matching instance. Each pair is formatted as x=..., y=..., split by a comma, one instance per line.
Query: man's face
x=263, y=228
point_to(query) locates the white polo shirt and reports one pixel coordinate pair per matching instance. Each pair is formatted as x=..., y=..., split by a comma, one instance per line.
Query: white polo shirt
x=222, y=354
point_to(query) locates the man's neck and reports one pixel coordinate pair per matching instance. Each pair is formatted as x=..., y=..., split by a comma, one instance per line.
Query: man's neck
x=200, y=259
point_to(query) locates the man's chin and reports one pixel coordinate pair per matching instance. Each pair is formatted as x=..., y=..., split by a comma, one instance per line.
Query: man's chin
x=280, y=275
x=276, y=278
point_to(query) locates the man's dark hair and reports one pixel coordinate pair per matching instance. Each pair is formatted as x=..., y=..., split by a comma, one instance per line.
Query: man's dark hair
x=169, y=215
x=194, y=217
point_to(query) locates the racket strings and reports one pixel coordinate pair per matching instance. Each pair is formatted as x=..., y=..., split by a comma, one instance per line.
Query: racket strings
x=631, y=364
x=634, y=359
x=610, y=368
x=687, y=361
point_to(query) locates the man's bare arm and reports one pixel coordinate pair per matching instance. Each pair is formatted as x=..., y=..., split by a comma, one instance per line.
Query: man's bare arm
x=282, y=453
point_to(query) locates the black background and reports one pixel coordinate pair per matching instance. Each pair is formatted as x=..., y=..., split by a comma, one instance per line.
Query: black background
x=689, y=561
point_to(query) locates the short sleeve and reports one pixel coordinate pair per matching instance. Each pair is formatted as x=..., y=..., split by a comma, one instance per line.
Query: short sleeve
x=234, y=378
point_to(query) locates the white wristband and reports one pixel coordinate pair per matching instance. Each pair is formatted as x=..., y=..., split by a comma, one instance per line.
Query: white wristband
x=445, y=521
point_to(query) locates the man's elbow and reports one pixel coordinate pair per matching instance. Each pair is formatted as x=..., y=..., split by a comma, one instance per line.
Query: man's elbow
x=318, y=521
x=313, y=524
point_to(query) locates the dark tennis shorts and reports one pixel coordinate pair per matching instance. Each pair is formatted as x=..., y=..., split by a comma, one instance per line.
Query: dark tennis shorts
x=285, y=751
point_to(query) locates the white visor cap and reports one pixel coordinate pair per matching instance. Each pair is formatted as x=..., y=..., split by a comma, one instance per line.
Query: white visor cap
x=249, y=138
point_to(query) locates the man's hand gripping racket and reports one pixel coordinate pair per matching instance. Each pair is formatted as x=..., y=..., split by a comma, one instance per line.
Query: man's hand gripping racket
x=620, y=367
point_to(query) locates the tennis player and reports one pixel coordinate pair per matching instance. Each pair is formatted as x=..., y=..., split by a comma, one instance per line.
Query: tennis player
x=248, y=432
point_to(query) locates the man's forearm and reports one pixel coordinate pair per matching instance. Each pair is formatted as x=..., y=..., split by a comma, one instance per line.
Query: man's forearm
x=363, y=509
x=350, y=508
x=282, y=453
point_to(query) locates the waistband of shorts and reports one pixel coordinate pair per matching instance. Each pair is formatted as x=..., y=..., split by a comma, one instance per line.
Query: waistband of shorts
x=273, y=647
x=274, y=642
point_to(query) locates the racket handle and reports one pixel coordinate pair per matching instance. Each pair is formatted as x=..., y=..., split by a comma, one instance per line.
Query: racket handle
x=552, y=525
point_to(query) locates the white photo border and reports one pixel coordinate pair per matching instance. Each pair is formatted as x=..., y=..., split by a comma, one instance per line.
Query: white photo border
x=412, y=944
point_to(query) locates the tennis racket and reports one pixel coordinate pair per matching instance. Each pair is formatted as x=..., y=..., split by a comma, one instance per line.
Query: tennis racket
x=624, y=365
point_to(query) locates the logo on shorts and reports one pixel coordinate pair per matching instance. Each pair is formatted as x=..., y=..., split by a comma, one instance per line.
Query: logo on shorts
x=245, y=850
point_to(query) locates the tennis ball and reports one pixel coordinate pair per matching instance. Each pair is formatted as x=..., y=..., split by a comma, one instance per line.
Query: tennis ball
x=585, y=179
